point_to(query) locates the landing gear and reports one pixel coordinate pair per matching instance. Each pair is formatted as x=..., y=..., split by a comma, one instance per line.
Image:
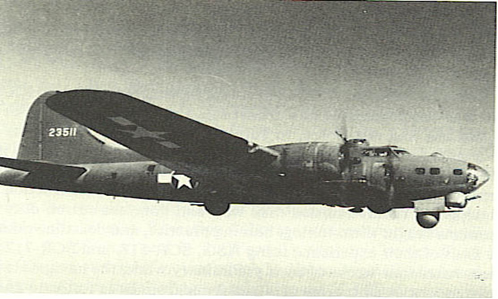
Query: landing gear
x=379, y=209
x=427, y=220
x=216, y=208
x=382, y=203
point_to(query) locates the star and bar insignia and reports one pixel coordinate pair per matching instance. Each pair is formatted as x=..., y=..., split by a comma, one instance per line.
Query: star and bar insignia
x=141, y=132
x=170, y=178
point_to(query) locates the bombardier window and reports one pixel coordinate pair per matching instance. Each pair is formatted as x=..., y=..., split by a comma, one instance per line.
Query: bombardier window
x=435, y=171
x=420, y=170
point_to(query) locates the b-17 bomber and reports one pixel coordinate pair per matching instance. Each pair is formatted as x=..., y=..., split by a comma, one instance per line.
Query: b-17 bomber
x=167, y=156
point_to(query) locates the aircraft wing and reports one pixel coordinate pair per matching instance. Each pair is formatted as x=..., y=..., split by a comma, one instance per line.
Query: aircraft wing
x=42, y=167
x=161, y=135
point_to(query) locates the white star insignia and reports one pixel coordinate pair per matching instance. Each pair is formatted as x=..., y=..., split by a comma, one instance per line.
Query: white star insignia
x=141, y=132
x=182, y=180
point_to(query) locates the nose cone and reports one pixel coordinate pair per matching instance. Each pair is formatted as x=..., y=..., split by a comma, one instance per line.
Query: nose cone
x=476, y=176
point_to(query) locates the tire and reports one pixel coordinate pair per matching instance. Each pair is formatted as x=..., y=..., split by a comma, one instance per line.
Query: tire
x=379, y=208
x=216, y=209
x=427, y=220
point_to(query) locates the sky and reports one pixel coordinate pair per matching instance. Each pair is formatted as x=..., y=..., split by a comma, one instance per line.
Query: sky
x=420, y=75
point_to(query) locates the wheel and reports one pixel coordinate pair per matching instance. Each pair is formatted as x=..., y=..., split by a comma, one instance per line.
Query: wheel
x=216, y=209
x=378, y=209
x=427, y=220
x=381, y=203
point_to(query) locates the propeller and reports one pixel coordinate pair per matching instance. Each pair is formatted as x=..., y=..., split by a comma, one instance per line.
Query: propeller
x=343, y=130
x=343, y=134
x=343, y=137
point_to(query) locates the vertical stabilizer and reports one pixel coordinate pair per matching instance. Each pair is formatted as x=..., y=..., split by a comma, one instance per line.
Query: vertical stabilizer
x=49, y=136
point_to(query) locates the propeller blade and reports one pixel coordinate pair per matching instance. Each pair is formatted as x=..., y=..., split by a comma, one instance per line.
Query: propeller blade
x=344, y=127
x=342, y=136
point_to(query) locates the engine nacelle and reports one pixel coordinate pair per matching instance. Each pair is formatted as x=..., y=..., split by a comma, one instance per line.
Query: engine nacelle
x=455, y=200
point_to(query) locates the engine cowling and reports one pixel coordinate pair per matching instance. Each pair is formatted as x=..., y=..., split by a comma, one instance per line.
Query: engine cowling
x=455, y=200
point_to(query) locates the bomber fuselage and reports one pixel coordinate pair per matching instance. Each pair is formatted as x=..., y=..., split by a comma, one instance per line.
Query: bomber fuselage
x=351, y=175
x=66, y=145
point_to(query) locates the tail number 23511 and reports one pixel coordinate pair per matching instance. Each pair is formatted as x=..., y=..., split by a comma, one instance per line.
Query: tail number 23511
x=62, y=132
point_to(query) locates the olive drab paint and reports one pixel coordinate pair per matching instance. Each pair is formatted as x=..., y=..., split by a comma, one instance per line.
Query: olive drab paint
x=49, y=136
x=167, y=156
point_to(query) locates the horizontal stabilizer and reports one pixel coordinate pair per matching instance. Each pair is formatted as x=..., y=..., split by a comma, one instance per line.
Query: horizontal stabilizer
x=42, y=167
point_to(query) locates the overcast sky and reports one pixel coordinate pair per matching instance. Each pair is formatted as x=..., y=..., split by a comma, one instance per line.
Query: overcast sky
x=419, y=75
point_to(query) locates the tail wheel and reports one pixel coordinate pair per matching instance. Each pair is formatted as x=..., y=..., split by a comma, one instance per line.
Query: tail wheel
x=427, y=220
x=216, y=208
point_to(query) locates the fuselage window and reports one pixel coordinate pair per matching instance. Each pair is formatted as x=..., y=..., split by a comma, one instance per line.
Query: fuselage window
x=435, y=171
x=355, y=160
x=420, y=170
x=457, y=171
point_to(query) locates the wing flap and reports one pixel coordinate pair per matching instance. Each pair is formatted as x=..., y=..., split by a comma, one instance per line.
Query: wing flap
x=161, y=135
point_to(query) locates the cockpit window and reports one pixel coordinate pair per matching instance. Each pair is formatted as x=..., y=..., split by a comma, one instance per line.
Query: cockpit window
x=457, y=171
x=401, y=152
x=435, y=171
x=368, y=152
x=376, y=152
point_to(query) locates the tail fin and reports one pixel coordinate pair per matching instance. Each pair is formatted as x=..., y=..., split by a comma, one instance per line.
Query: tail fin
x=49, y=136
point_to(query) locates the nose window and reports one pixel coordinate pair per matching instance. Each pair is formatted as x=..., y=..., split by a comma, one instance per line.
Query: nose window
x=457, y=171
x=435, y=171
x=472, y=174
